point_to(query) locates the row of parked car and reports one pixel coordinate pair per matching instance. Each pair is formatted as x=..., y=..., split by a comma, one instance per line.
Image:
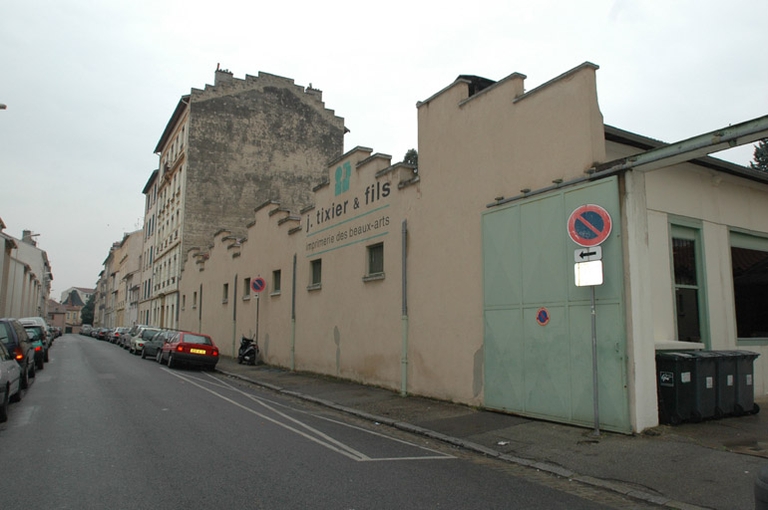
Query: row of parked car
x=170, y=347
x=24, y=346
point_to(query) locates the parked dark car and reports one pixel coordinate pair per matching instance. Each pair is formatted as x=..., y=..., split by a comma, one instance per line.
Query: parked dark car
x=154, y=345
x=36, y=336
x=103, y=334
x=10, y=382
x=14, y=337
x=187, y=348
x=47, y=338
x=118, y=335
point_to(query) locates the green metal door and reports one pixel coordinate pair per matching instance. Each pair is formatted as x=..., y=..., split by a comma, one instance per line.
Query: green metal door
x=538, y=333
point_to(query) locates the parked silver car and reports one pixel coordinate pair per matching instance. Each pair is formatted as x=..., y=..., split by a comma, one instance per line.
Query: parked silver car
x=10, y=381
x=137, y=341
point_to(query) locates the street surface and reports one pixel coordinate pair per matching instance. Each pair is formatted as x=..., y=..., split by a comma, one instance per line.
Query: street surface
x=102, y=429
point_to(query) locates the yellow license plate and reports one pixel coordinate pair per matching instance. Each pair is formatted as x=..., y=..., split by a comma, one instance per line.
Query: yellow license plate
x=197, y=351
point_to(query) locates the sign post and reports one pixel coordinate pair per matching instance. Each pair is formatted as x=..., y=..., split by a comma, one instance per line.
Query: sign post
x=258, y=284
x=588, y=226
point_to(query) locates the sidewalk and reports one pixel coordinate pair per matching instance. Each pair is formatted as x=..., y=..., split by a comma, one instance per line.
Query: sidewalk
x=710, y=465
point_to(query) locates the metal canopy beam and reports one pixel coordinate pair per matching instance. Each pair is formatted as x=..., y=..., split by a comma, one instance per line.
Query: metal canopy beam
x=692, y=148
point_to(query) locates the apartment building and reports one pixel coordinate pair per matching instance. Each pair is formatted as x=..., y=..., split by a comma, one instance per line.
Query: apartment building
x=117, y=291
x=226, y=149
x=25, y=276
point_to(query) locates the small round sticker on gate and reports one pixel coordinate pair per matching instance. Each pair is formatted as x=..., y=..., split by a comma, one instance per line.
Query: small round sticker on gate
x=542, y=316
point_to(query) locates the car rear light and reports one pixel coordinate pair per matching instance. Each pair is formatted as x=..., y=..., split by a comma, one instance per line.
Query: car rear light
x=18, y=353
x=38, y=348
x=215, y=352
x=179, y=348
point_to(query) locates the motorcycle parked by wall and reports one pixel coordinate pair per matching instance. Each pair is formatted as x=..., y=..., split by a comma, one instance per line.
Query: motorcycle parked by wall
x=248, y=352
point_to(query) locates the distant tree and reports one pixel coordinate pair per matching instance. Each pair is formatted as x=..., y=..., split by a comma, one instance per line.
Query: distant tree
x=411, y=157
x=86, y=313
x=761, y=156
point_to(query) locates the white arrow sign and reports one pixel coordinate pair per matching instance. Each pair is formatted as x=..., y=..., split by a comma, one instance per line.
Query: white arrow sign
x=588, y=254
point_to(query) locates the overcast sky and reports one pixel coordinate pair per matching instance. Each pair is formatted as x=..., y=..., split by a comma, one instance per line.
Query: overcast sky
x=90, y=84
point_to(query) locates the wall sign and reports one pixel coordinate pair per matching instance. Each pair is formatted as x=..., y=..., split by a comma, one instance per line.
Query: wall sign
x=258, y=284
x=542, y=316
x=589, y=225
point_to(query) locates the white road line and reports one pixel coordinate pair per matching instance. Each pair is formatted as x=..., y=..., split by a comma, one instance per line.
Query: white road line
x=318, y=437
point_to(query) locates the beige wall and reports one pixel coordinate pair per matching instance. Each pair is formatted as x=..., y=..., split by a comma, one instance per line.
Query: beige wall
x=721, y=202
x=471, y=150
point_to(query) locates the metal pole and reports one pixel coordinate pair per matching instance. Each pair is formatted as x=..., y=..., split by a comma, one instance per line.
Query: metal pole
x=596, y=406
x=257, y=318
x=293, y=316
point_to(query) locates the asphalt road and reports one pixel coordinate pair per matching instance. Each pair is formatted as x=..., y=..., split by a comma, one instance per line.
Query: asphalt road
x=102, y=429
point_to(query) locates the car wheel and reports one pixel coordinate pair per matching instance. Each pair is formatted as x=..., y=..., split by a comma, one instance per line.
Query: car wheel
x=171, y=363
x=45, y=357
x=159, y=357
x=16, y=397
x=39, y=364
x=143, y=354
x=25, y=378
x=4, y=405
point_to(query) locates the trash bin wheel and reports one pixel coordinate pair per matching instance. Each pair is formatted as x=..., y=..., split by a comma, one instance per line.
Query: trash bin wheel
x=695, y=416
x=675, y=419
x=755, y=409
x=738, y=410
x=719, y=413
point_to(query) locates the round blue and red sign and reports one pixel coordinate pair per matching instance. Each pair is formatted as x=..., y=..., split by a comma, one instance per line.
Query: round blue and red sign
x=589, y=225
x=542, y=316
x=258, y=284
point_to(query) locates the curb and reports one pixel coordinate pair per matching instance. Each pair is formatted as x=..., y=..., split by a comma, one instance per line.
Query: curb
x=553, y=469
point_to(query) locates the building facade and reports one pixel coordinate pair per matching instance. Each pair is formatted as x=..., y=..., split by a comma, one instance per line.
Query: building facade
x=117, y=291
x=455, y=280
x=25, y=276
x=226, y=149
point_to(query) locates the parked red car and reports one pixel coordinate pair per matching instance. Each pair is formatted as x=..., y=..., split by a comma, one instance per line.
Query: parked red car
x=187, y=348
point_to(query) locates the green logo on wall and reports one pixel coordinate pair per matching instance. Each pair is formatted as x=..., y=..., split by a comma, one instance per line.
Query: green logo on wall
x=343, y=175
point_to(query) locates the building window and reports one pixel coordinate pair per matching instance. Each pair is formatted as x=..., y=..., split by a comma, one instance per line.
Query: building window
x=749, y=264
x=183, y=302
x=247, y=288
x=375, y=262
x=225, y=293
x=194, y=299
x=316, y=273
x=276, y=283
x=688, y=285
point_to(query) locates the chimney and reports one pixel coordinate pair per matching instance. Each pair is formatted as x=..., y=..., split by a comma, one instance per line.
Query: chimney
x=221, y=75
x=28, y=237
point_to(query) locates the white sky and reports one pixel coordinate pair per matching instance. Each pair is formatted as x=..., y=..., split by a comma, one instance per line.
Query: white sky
x=91, y=84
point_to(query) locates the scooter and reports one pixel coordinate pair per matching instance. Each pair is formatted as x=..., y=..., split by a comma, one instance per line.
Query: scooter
x=248, y=352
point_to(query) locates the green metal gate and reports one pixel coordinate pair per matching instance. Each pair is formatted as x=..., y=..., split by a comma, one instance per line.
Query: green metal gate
x=538, y=333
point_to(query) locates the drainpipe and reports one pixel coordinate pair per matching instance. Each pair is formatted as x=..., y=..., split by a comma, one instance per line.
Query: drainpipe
x=404, y=317
x=200, y=311
x=234, y=316
x=293, y=316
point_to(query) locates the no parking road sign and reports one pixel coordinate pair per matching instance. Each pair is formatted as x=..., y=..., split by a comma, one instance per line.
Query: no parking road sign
x=589, y=225
x=258, y=284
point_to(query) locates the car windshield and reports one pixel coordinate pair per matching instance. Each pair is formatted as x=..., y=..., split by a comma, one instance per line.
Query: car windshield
x=196, y=339
x=34, y=332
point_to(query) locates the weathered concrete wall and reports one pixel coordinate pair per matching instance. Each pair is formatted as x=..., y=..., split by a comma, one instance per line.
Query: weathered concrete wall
x=252, y=140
